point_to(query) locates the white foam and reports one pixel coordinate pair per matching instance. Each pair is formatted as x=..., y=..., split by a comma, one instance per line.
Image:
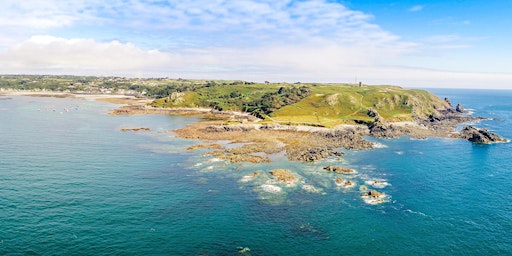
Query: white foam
x=310, y=188
x=214, y=160
x=379, y=145
x=247, y=178
x=377, y=183
x=374, y=201
x=419, y=213
x=271, y=188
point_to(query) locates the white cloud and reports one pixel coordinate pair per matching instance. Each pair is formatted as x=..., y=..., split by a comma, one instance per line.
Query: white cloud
x=416, y=8
x=249, y=36
x=34, y=14
x=278, y=40
x=48, y=53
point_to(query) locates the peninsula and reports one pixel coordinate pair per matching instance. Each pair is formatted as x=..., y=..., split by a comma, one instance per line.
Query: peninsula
x=307, y=121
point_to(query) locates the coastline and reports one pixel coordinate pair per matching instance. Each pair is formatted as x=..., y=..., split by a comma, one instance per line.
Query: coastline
x=261, y=139
x=235, y=137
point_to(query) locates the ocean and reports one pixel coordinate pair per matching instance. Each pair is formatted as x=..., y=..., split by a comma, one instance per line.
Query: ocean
x=73, y=183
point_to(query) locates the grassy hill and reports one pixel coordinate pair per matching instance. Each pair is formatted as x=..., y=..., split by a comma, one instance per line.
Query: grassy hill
x=312, y=104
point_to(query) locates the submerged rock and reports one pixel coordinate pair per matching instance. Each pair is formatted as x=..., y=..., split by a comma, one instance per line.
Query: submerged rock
x=481, y=135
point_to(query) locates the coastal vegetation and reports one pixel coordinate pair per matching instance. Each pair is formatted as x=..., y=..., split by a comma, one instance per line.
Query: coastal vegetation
x=313, y=104
x=270, y=115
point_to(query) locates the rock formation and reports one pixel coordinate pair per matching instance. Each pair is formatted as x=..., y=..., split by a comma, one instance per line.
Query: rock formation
x=136, y=129
x=373, y=194
x=459, y=108
x=481, y=135
x=283, y=175
x=338, y=169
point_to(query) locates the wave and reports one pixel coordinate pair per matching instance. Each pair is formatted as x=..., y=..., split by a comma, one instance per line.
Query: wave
x=379, y=145
x=419, y=213
x=377, y=183
x=311, y=188
x=271, y=188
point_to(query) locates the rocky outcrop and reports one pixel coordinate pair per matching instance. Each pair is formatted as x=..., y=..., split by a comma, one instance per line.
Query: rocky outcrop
x=339, y=169
x=326, y=143
x=283, y=175
x=312, y=154
x=380, y=128
x=344, y=183
x=481, y=135
x=373, y=194
x=136, y=129
x=459, y=108
x=350, y=138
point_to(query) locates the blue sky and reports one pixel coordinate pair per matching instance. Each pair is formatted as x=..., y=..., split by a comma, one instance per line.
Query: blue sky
x=463, y=44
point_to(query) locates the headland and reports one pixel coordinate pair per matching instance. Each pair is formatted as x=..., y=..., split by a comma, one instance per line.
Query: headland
x=307, y=121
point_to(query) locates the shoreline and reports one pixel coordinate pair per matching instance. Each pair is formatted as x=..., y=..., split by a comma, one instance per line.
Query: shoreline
x=299, y=142
x=234, y=137
x=106, y=97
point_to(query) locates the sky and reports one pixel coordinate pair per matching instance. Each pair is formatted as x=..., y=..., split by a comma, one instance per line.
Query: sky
x=428, y=44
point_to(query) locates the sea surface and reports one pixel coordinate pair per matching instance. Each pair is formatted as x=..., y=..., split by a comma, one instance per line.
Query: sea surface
x=73, y=183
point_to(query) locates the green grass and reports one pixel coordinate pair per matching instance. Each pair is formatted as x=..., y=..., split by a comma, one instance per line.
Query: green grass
x=333, y=104
x=327, y=104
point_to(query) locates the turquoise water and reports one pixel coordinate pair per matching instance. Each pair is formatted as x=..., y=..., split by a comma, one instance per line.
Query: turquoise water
x=72, y=183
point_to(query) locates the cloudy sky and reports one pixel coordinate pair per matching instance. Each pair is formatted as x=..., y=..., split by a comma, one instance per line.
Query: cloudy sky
x=409, y=43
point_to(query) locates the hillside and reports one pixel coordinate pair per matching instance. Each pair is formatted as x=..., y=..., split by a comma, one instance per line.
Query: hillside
x=324, y=105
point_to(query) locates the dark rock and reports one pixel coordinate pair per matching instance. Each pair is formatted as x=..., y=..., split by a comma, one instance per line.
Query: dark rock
x=372, y=113
x=459, y=108
x=482, y=135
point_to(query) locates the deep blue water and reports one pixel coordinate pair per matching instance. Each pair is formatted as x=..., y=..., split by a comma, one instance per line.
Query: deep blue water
x=72, y=183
